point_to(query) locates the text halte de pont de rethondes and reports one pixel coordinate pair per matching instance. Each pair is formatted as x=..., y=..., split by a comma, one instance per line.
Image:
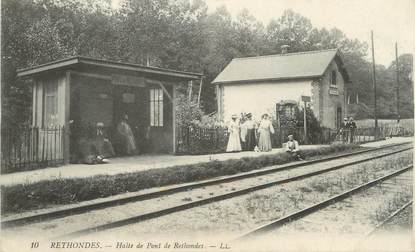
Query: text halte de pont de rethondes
x=123, y=245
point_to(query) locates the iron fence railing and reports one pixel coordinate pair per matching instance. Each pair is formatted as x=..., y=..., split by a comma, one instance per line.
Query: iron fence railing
x=197, y=140
x=362, y=135
x=31, y=148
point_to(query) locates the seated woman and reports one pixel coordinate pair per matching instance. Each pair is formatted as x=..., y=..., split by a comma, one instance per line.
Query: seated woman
x=102, y=142
x=88, y=149
x=293, y=148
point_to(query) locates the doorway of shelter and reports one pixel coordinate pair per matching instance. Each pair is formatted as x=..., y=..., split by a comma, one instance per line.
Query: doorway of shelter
x=130, y=102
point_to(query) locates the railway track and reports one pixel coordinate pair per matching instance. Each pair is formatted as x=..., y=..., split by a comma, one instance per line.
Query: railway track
x=389, y=218
x=181, y=207
x=301, y=214
x=181, y=188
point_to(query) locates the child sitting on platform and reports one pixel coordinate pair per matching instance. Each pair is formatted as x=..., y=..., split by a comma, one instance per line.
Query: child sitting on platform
x=293, y=148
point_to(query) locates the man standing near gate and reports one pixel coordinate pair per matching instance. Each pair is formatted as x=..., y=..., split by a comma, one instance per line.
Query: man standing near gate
x=351, y=125
x=344, y=130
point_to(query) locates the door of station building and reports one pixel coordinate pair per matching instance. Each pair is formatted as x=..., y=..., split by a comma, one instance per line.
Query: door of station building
x=131, y=101
x=338, y=117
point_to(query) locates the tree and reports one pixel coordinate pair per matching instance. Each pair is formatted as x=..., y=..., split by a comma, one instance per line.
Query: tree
x=406, y=86
x=249, y=35
x=179, y=34
x=15, y=94
x=36, y=32
x=290, y=29
x=144, y=30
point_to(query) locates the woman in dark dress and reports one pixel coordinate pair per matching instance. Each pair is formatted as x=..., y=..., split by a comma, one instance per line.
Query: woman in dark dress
x=102, y=142
x=250, y=136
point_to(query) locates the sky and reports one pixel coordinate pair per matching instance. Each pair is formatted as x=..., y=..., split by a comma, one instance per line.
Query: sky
x=390, y=20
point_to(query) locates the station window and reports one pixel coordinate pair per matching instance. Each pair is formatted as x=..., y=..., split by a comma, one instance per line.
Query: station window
x=50, y=104
x=333, y=78
x=156, y=107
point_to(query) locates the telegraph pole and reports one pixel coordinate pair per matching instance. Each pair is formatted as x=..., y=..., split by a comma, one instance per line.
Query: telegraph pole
x=397, y=84
x=305, y=99
x=374, y=86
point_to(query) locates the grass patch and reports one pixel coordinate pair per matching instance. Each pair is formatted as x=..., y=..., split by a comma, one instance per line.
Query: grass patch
x=37, y=195
x=397, y=201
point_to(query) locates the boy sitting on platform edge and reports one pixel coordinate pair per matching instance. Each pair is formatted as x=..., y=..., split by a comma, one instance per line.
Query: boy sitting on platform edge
x=293, y=148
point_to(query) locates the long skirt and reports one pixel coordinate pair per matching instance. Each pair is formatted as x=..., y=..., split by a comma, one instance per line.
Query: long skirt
x=234, y=142
x=250, y=141
x=130, y=144
x=264, y=141
x=104, y=147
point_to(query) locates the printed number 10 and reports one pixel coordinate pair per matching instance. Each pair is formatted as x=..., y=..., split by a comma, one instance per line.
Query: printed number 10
x=34, y=245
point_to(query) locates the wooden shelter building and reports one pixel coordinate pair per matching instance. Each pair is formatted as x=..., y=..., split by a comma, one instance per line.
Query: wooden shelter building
x=78, y=92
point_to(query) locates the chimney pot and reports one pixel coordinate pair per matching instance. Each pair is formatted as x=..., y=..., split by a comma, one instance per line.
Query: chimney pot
x=284, y=49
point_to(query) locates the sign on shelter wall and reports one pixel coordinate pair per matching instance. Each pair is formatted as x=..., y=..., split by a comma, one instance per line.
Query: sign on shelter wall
x=128, y=80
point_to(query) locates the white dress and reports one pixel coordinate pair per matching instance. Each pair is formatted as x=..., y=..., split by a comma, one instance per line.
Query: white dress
x=265, y=130
x=234, y=142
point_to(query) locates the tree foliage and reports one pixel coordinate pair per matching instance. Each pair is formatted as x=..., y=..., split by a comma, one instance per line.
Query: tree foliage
x=178, y=34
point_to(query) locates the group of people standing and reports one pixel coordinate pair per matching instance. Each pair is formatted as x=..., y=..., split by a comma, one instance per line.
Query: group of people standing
x=347, y=130
x=245, y=134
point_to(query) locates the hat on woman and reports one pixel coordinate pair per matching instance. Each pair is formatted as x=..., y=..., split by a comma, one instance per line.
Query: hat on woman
x=100, y=124
x=234, y=116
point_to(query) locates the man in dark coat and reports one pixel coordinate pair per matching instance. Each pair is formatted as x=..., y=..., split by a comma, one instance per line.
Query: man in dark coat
x=344, y=130
x=352, y=128
x=248, y=133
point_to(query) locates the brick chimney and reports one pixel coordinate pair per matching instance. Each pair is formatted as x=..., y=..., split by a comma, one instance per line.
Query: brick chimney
x=284, y=49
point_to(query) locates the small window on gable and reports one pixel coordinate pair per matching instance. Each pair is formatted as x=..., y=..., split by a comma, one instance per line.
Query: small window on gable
x=333, y=78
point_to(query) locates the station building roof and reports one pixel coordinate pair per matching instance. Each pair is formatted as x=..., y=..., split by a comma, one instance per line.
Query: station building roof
x=300, y=65
x=87, y=63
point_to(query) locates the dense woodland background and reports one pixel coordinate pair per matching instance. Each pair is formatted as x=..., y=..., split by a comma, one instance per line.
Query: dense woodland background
x=181, y=35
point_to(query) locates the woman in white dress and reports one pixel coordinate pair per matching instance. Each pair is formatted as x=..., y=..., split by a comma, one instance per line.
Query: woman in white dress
x=234, y=142
x=265, y=130
x=127, y=136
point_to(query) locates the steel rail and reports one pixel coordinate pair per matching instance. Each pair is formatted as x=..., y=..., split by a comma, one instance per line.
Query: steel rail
x=316, y=207
x=170, y=210
x=389, y=218
x=100, y=205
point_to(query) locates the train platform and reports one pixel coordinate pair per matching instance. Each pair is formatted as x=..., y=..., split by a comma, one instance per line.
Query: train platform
x=392, y=140
x=145, y=162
